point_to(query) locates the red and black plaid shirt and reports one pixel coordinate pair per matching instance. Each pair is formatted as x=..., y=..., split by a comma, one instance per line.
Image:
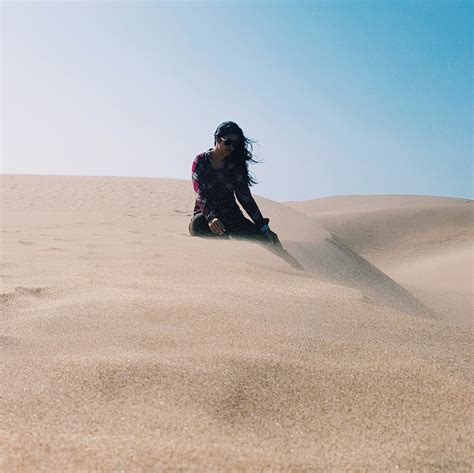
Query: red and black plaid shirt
x=215, y=190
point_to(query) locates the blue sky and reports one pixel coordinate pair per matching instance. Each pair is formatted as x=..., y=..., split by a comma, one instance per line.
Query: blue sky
x=344, y=98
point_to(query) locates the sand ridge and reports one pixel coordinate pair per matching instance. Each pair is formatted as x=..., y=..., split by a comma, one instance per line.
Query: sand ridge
x=424, y=243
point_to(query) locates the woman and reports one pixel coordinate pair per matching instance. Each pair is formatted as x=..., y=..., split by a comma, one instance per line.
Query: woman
x=217, y=174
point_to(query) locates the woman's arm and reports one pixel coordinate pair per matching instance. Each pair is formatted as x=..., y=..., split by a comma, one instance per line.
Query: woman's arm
x=244, y=196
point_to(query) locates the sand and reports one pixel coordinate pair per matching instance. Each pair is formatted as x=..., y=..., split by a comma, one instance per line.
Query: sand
x=128, y=345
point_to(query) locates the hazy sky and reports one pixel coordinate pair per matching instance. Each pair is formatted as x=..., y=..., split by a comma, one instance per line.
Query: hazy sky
x=344, y=98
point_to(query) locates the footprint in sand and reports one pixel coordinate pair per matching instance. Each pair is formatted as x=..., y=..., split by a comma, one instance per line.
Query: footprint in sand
x=20, y=293
x=30, y=291
x=185, y=212
x=8, y=341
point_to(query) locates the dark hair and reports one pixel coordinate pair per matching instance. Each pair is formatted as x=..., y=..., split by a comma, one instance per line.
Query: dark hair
x=243, y=150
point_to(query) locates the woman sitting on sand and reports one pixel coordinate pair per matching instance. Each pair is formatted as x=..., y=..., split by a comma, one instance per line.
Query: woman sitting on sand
x=217, y=174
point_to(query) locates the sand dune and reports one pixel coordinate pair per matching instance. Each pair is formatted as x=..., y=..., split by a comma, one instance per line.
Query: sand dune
x=387, y=227
x=424, y=243
x=131, y=346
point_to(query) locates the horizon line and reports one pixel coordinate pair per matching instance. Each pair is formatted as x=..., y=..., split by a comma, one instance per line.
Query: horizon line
x=470, y=199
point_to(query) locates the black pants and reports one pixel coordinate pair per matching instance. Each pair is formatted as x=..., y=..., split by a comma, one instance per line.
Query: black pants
x=235, y=225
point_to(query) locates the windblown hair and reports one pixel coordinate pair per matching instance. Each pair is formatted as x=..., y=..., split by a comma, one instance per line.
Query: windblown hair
x=243, y=151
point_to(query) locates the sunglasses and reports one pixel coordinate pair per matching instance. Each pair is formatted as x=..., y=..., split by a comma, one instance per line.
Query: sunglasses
x=228, y=141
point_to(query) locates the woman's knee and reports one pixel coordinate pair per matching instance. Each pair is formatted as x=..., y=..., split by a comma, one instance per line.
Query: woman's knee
x=198, y=225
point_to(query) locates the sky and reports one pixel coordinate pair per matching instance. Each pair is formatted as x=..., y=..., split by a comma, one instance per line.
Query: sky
x=342, y=97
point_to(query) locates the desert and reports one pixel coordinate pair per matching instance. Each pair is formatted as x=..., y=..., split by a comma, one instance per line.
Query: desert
x=129, y=345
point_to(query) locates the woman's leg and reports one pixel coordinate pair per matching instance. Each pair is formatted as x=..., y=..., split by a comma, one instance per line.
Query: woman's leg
x=241, y=227
x=198, y=227
x=236, y=226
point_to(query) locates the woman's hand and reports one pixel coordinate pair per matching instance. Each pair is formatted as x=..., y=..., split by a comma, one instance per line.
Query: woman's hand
x=217, y=226
x=272, y=237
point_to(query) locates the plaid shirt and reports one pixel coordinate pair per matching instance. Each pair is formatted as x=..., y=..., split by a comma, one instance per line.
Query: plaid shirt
x=215, y=191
